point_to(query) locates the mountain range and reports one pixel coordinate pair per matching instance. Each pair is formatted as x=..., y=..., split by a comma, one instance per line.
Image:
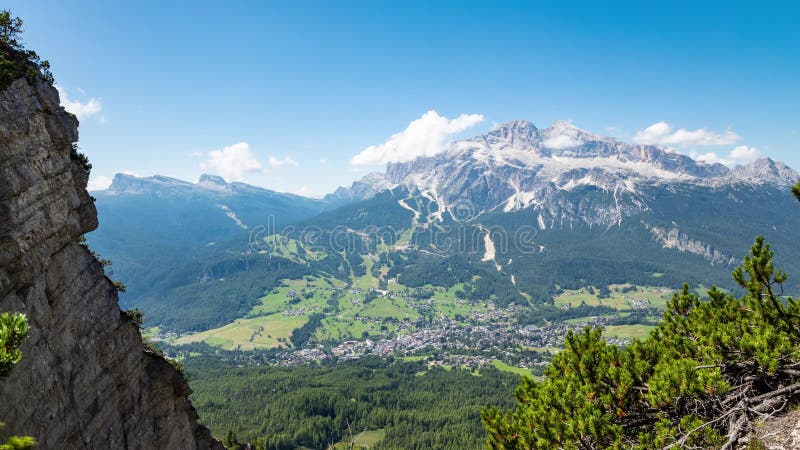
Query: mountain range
x=526, y=212
x=518, y=166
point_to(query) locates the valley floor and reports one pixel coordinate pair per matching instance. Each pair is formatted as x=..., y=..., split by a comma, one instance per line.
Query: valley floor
x=431, y=324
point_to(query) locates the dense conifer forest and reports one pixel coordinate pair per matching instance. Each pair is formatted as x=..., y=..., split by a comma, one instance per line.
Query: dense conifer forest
x=315, y=406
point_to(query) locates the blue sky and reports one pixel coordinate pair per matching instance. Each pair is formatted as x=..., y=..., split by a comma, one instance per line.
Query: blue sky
x=284, y=95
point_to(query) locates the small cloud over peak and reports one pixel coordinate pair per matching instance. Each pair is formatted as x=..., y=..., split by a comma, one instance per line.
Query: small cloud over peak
x=741, y=154
x=425, y=136
x=661, y=133
x=561, y=141
x=232, y=162
x=745, y=154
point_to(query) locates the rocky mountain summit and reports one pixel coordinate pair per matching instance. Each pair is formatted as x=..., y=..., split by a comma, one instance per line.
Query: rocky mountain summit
x=518, y=166
x=161, y=185
x=85, y=380
x=211, y=200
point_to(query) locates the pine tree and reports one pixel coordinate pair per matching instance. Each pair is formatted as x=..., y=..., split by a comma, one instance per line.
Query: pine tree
x=15, y=60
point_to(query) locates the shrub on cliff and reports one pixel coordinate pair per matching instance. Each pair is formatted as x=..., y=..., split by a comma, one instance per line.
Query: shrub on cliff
x=13, y=332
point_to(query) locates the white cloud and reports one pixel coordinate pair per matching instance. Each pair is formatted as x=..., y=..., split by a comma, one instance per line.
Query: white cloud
x=652, y=134
x=81, y=110
x=741, y=154
x=661, y=133
x=130, y=172
x=561, y=141
x=323, y=160
x=98, y=183
x=232, y=162
x=276, y=163
x=745, y=154
x=425, y=136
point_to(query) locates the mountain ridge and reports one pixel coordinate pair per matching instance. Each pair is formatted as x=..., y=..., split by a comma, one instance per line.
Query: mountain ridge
x=518, y=166
x=124, y=183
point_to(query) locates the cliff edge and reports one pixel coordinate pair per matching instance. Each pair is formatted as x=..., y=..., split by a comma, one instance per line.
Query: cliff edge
x=85, y=381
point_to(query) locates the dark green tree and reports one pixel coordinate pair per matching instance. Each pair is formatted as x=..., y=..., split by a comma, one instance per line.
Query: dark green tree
x=15, y=60
x=10, y=29
x=231, y=441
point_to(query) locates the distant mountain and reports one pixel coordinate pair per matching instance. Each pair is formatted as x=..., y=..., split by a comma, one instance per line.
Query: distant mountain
x=518, y=166
x=161, y=232
x=362, y=189
x=211, y=210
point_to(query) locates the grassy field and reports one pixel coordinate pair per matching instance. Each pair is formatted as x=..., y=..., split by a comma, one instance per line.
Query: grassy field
x=628, y=331
x=382, y=308
x=281, y=298
x=259, y=332
x=365, y=439
x=500, y=365
x=643, y=296
x=343, y=329
x=270, y=324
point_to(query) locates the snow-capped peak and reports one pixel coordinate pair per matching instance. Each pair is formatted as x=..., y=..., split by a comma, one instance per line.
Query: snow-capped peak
x=515, y=133
x=516, y=124
x=562, y=135
x=518, y=166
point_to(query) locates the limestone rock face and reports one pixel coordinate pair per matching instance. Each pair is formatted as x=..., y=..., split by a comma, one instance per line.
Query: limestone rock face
x=85, y=381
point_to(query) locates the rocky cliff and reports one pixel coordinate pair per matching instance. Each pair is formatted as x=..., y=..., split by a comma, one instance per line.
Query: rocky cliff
x=85, y=380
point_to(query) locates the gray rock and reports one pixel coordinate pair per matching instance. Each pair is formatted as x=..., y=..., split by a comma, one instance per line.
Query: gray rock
x=85, y=381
